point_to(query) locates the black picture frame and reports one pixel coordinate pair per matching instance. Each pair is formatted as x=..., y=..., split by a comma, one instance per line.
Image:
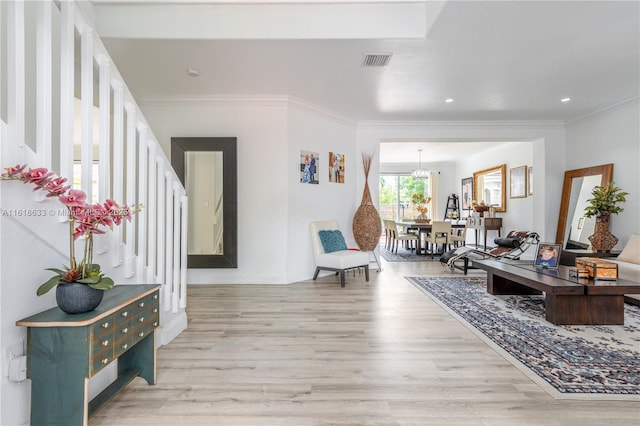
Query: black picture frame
x=542, y=261
x=466, y=197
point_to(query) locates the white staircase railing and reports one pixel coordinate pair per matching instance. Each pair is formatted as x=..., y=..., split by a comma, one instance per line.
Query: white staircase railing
x=42, y=66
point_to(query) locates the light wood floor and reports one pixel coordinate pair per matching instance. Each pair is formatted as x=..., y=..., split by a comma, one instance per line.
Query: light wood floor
x=312, y=353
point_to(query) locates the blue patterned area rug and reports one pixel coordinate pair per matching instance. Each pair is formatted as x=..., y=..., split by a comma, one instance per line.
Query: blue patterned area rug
x=569, y=362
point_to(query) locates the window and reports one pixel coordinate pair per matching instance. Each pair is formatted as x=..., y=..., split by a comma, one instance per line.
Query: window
x=395, y=196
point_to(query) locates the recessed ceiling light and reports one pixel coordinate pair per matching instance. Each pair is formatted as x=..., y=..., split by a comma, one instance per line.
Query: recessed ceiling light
x=448, y=100
x=565, y=100
x=193, y=72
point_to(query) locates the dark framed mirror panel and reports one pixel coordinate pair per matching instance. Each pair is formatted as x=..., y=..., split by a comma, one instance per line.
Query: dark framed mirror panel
x=207, y=167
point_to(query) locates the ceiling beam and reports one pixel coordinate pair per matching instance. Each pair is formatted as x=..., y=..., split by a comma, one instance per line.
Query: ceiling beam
x=302, y=20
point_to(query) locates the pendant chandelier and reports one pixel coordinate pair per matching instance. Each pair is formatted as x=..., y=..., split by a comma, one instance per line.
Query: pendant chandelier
x=420, y=173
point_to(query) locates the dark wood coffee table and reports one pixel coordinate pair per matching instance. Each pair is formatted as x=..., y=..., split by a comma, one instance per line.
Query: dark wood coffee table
x=568, y=300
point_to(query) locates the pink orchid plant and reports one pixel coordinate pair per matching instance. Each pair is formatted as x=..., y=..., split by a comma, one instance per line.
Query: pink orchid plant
x=85, y=220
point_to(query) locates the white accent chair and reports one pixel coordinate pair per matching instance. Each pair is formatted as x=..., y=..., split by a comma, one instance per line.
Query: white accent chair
x=338, y=261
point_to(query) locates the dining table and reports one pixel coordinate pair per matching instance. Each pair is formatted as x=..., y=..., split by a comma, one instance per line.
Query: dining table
x=425, y=228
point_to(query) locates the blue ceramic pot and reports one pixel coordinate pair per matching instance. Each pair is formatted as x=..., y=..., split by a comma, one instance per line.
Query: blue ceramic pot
x=76, y=298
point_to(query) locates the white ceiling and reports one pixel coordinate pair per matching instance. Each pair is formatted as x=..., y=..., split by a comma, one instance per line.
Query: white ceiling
x=503, y=60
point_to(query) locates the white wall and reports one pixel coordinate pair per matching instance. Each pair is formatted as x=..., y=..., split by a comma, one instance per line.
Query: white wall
x=311, y=131
x=262, y=180
x=519, y=212
x=274, y=208
x=612, y=136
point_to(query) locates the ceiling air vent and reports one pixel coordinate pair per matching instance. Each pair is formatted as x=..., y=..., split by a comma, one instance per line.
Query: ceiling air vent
x=376, y=59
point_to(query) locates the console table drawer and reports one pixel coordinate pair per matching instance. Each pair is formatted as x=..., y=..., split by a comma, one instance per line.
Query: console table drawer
x=146, y=302
x=122, y=345
x=123, y=330
x=105, y=325
x=102, y=342
x=101, y=360
x=124, y=314
x=144, y=330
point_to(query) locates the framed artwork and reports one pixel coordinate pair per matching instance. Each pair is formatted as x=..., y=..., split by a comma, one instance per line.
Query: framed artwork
x=336, y=167
x=467, y=196
x=518, y=182
x=547, y=256
x=309, y=163
x=529, y=180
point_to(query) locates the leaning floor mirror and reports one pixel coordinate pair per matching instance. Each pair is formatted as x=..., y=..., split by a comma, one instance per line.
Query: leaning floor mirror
x=207, y=169
x=574, y=228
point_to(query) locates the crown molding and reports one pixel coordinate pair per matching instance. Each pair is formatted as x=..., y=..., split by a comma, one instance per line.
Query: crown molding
x=321, y=111
x=242, y=100
x=519, y=124
x=602, y=111
x=216, y=100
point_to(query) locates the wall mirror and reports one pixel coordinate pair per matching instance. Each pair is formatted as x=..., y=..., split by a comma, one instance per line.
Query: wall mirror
x=573, y=228
x=207, y=169
x=490, y=187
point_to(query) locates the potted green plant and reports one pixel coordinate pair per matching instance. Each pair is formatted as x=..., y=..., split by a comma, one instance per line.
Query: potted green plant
x=605, y=201
x=80, y=285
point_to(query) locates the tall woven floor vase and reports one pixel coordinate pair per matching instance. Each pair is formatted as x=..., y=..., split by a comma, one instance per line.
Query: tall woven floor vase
x=366, y=222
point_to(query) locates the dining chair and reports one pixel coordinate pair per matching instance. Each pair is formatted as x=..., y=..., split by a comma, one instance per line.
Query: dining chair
x=458, y=237
x=405, y=237
x=440, y=231
x=388, y=234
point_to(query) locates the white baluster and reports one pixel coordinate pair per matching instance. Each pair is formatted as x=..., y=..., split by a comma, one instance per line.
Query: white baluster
x=44, y=83
x=86, y=81
x=177, y=228
x=143, y=158
x=183, y=251
x=151, y=208
x=169, y=241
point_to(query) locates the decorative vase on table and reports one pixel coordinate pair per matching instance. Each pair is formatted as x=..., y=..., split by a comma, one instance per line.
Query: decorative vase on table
x=366, y=221
x=422, y=218
x=602, y=240
x=77, y=298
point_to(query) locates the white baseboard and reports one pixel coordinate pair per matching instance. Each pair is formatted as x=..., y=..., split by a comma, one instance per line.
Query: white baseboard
x=170, y=330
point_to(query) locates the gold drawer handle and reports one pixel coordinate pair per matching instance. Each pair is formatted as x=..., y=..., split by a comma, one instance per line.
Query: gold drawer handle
x=141, y=334
x=155, y=323
x=155, y=297
x=125, y=314
x=125, y=330
x=105, y=325
x=105, y=343
x=125, y=346
x=105, y=361
x=155, y=310
x=141, y=319
x=141, y=304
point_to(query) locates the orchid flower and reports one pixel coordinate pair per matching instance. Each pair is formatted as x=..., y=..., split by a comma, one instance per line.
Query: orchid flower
x=85, y=220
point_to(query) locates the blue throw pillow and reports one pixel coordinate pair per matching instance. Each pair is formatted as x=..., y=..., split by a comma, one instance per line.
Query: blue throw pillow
x=332, y=241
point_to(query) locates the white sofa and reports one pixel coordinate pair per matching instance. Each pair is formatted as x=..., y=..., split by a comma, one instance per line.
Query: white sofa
x=629, y=265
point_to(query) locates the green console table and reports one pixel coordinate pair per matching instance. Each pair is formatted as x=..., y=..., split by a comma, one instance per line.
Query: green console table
x=64, y=351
